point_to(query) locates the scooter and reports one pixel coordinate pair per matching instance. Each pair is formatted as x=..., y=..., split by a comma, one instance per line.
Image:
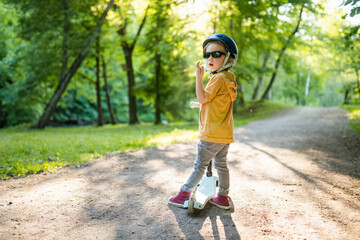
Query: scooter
x=203, y=192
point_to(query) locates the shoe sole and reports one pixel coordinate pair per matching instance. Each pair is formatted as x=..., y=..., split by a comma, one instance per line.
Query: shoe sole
x=175, y=204
x=220, y=206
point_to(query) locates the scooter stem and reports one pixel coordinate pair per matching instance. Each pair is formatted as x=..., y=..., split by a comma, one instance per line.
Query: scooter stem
x=209, y=172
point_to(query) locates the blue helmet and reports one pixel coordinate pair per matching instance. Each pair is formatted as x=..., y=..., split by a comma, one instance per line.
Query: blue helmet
x=230, y=47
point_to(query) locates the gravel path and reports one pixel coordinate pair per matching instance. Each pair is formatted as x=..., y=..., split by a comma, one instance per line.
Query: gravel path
x=295, y=175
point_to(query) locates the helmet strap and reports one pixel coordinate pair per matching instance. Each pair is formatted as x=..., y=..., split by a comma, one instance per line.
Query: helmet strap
x=207, y=69
x=224, y=66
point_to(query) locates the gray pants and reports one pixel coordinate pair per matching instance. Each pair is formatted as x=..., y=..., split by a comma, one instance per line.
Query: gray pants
x=206, y=152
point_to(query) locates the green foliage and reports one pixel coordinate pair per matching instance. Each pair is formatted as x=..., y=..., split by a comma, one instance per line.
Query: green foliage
x=161, y=89
x=75, y=109
x=34, y=61
x=354, y=111
x=355, y=10
x=32, y=42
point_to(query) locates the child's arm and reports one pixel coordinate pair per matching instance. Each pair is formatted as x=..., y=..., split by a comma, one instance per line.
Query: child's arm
x=199, y=84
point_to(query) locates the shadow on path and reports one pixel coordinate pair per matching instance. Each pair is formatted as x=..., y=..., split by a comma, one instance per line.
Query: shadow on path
x=196, y=226
x=294, y=176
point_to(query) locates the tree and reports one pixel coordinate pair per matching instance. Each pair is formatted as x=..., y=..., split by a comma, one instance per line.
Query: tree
x=98, y=89
x=266, y=56
x=5, y=78
x=66, y=78
x=246, y=15
x=164, y=44
x=256, y=24
x=128, y=48
x=352, y=42
x=159, y=42
x=281, y=53
x=349, y=48
x=160, y=24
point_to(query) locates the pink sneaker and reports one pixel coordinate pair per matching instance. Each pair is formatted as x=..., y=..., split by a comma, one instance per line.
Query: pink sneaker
x=179, y=199
x=221, y=201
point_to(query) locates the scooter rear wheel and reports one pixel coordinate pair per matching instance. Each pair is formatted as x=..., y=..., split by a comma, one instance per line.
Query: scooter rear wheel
x=191, y=208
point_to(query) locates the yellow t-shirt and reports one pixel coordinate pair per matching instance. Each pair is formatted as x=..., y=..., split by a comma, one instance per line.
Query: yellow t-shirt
x=216, y=116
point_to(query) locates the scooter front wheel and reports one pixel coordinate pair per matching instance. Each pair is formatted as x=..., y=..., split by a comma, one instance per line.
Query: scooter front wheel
x=191, y=208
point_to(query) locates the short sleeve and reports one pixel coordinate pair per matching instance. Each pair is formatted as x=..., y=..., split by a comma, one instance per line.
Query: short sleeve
x=213, y=87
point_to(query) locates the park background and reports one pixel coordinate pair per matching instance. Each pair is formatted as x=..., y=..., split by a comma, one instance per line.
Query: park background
x=129, y=66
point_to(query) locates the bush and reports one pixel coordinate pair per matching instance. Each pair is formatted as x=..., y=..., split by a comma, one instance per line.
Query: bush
x=354, y=111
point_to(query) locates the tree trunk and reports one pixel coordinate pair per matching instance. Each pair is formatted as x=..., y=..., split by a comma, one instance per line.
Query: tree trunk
x=157, y=89
x=357, y=81
x=282, y=51
x=238, y=62
x=65, y=80
x=261, y=76
x=133, y=119
x=308, y=77
x=241, y=93
x=66, y=29
x=108, y=100
x=98, y=89
x=346, y=96
x=297, y=95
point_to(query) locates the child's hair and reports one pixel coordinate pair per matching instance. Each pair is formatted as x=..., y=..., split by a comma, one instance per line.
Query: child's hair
x=214, y=41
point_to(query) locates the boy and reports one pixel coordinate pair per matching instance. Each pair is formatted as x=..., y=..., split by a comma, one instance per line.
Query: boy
x=216, y=118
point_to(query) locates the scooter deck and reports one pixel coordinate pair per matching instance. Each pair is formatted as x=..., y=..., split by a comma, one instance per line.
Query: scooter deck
x=205, y=191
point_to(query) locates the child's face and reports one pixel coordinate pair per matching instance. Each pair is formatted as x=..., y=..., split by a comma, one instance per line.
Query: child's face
x=212, y=63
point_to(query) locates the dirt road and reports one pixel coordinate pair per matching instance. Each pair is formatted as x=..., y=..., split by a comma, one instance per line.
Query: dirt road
x=295, y=175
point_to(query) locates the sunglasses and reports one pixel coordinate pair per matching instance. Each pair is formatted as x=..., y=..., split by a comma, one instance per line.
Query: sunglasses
x=214, y=54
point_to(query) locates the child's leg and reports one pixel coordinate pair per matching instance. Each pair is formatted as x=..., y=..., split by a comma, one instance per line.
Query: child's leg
x=206, y=152
x=222, y=170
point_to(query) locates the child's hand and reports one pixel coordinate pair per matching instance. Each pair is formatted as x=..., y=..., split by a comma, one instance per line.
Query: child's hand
x=199, y=71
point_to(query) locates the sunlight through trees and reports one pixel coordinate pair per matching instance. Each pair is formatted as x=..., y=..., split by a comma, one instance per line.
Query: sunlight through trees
x=71, y=62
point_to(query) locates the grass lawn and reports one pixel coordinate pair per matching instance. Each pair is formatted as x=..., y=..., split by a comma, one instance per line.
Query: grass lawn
x=354, y=111
x=24, y=151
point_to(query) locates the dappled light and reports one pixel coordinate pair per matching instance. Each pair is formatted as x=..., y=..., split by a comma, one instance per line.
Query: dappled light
x=107, y=107
x=174, y=136
x=279, y=189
